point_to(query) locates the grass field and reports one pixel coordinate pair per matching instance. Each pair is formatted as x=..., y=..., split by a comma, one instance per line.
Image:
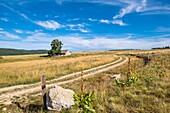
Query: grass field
x=28, y=68
x=149, y=94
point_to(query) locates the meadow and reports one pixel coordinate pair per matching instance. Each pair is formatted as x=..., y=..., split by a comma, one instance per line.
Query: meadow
x=24, y=69
x=148, y=94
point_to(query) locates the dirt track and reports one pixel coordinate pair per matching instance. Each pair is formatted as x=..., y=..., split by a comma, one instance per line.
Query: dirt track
x=6, y=94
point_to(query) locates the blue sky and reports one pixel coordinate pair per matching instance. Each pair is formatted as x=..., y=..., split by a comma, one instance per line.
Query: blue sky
x=84, y=25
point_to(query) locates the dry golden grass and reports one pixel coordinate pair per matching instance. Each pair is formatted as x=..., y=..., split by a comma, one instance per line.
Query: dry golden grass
x=28, y=71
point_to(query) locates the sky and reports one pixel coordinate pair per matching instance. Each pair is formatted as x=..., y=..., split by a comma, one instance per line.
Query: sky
x=85, y=25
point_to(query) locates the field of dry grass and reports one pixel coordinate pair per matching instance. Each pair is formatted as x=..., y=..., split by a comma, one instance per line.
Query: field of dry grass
x=28, y=68
x=149, y=94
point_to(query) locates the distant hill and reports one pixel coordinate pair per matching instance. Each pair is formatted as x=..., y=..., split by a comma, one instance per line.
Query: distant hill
x=9, y=51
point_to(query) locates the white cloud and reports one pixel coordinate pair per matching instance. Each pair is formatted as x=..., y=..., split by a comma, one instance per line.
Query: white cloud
x=82, y=43
x=84, y=30
x=162, y=29
x=77, y=42
x=23, y=15
x=39, y=36
x=119, y=22
x=74, y=19
x=24, y=45
x=71, y=25
x=132, y=6
x=1, y=29
x=4, y=19
x=81, y=25
x=51, y=24
x=8, y=36
x=91, y=19
x=104, y=21
x=27, y=32
x=18, y=31
x=78, y=27
x=155, y=13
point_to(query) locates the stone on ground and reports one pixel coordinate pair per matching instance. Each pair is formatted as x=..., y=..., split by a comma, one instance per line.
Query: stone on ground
x=116, y=76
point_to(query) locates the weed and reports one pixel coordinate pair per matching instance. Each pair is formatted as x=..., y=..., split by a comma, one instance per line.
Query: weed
x=148, y=80
x=84, y=101
x=131, y=76
x=128, y=82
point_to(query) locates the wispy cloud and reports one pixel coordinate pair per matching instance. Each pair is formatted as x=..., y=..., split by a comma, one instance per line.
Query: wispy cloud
x=92, y=20
x=84, y=30
x=104, y=21
x=25, y=16
x=1, y=29
x=81, y=42
x=74, y=19
x=78, y=27
x=118, y=22
x=8, y=36
x=4, y=19
x=162, y=29
x=17, y=12
x=51, y=24
x=155, y=12
x=132, y=6
x=18, y=31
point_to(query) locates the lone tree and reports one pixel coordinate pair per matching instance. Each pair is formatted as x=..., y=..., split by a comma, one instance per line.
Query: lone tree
x=56, y=46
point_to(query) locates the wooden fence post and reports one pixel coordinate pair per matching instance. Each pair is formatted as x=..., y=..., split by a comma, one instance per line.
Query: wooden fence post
x=129, y=67
x=43, y=86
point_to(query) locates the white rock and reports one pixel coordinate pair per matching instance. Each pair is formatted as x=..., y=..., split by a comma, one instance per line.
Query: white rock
x=4, y=109
x=116, y=76
x=59, y=98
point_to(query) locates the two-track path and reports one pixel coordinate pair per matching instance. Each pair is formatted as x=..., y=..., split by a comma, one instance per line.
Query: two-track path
x=6, y=94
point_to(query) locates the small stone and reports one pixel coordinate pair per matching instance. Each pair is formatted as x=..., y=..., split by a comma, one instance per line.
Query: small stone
x=4, y=109
x=59, y=98
x=116, y=76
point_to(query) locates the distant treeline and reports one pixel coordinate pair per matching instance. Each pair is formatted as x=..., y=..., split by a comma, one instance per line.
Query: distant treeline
x=122, y=49
x=8, y=51
x=166, y=47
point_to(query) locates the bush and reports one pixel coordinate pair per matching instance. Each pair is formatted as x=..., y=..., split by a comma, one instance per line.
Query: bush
x=1, y=57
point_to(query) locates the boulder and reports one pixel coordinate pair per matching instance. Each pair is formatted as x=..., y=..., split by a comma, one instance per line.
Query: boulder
x=59, y=98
